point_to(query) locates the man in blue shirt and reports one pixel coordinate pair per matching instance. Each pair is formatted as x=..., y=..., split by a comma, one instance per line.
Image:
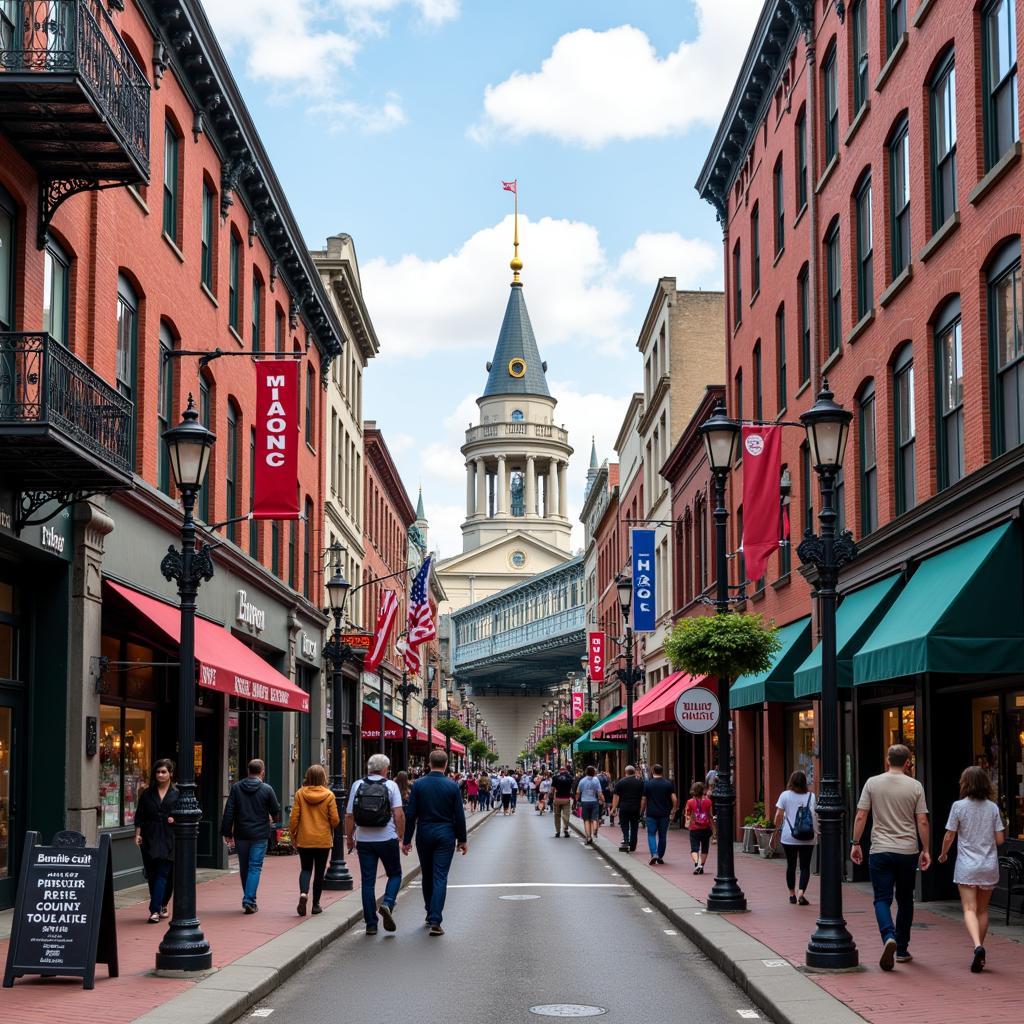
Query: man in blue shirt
x=436, y=815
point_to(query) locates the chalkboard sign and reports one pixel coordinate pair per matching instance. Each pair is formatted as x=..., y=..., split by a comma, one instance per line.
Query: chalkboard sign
x=64, y=912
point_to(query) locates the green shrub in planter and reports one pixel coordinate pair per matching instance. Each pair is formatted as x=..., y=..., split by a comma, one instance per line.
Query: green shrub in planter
x=727, y=646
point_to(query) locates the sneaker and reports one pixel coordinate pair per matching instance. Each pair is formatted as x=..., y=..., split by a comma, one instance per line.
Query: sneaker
x=388, y=917
x=904, y=958
x=653, y=860
x=978, y=963
x=696, y=869
x=436, y=929
x=558, y=835
x=301, y=908
x=249, y=908
x=888, y=957
x=700, y=872
x=154, y=918
x=623, y=848
x=565, y=835
x=371, y=931
x=164, y=912
x=317, y=909
x=661, y=860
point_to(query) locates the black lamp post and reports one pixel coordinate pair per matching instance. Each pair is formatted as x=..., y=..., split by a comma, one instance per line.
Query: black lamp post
x=585, y=665
x=721, y=437
x=405, y=691
x=337, y=877
x=629, y=675
x=448, y=719
x=184, y=947
x=429, y=704
x=828, y=425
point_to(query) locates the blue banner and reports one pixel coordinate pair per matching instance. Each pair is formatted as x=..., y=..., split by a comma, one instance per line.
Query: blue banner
x=644, y=607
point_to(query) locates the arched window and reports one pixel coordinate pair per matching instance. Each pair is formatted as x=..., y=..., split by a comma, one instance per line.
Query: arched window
x=899, y=197
x=785, y=525
x=861, y=85
x=307, y=551
x=208, y=240
x=804, y=325
x=865, y=250
x=257, y=312
x=1005, y=309
x=834, y=281
x=999, y=75
x=830, y=104
x=165, y=407
x=868, y=460
x=235, y=283
x=278, y=329
x=275, y=548
x=905, y=428
x=293, y=551
x=949, y=361
x=310, y=404
x=231, y=472
x=8, y=243
x=127, y=348
x=780, y=359
x=758, y=384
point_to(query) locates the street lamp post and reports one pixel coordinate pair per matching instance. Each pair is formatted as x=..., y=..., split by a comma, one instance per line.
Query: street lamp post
x=448, y=718
x=184, y=947
x=721, y=436
x=429, y=704
x=585, y=665
x=624, y=586
x=337, y=877
x=405, y=691
x=827, y=425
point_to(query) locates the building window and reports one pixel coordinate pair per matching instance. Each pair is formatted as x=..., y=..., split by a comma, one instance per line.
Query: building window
x=780, y=207
x=231, y=475
x=780, y=357
x=1000, y=79
x=127, y=348
x=310, y=403
x=55, y=291
x=307, y=552
x=899, y=188
x=895, y=23
x=234, y=282
x=806, y=476
x=275, y=548
x=257, y=313
x=1006, y=309
x=950, y=364
x=785, y=528
x=905, y=429
x=868, y=463
x=125, y=747
x=804, y=291
x=739, y=408
x=293, y=550
x=831, y=106
x=278, y=329
x=165, y=402
x=758, y=394
x=206, y=250
x=943, y=114
x=860, y=55
x=865, y=251
x=171, y=168
x=737, y=288
x=204, y=418
x=254, y=526
x=840, y=500
x=801, y=161
x=755, y=251
x=833, y=270
x=8, y=241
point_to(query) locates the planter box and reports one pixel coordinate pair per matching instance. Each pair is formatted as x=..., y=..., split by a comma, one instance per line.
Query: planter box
x=749, y=839
x=764, y=842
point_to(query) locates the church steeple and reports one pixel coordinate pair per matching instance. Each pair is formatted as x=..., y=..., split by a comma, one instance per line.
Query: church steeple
x=593, y=470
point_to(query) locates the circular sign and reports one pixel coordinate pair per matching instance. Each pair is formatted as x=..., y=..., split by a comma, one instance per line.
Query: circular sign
x=517, y=367
x=754, y=443
x=697, y=710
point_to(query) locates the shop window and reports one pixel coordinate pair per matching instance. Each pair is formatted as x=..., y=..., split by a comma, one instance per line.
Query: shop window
x=833, y=273
x=803, y=288
x=55, y=291
x=8, y=240
x=950, y=365
x=899, y=197
x=868, y=463
x=127, y=347
x=904, y=420
x=943, y=137
x=1015, y=764
x=865, y=251
x=830, y=110
x=257, y=313
x=899, y=725
x=780, y=358
x=999, y=71
x=800, y=743
x=164, y=409
x=859, y=17
x=1006, y=308
x=895, y=23
x=801, y=161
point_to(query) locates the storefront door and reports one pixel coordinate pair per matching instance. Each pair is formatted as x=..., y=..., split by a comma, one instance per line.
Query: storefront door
x=11, y=829
x=205, y=763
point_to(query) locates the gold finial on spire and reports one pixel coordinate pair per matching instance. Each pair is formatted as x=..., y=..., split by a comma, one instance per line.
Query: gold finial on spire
x=515, y=263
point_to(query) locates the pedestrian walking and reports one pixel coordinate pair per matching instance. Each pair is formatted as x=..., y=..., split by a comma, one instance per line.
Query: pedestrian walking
x=154, y=837
x=626, y=799
x=313, y=820
x=514, y=794
x=606, y=788
x=658, y=805
x=977, y=826
x=506, y=786
x=373, y=821
x=562, y=784
x=404, y=785
x=591, y=798
x=899, y=822
x=795, y=812
x=699, y=819
x=472, y=792
x=438, y=821
x=250, y=809
x=544, y=793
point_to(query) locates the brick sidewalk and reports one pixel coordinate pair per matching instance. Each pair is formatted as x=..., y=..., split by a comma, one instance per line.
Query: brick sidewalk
x=935, y=988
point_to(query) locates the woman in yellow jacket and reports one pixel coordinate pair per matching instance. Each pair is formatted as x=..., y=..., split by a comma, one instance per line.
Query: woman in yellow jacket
x=314, y=815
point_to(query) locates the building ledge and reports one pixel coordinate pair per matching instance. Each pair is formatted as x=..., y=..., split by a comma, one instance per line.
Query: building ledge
x=778, y=256
x=896, y=286
x=859, y=328
x=923, y=11
x=782, y=581
x=1001, y=166
x=799, y=216
x=897, y=52
x=933, y=243
x=826, y=174
x=832, y=360
x=857, y=122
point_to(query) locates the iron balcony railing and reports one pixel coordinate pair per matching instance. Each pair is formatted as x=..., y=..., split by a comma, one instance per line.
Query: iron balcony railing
x=77, y=38
x=43, y=384
x=487, y=431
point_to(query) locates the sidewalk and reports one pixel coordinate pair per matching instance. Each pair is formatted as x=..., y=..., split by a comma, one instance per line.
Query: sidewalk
x=251, y=954
x=936, y=987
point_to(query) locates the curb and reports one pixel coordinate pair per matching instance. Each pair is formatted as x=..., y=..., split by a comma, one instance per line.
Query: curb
x=772, y=982
x=228, y=992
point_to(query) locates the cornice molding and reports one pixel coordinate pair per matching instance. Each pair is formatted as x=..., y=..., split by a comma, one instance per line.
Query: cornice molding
x=378, y=454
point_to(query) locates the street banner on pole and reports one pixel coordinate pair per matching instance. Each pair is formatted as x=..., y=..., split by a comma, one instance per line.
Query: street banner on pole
x=275, y=493
x=644, y=606
x=577, y=705
x=595, y=652
x=762, y=469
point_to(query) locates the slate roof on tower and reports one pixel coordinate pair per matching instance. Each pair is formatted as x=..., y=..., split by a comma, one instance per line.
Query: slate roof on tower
x=516, y=344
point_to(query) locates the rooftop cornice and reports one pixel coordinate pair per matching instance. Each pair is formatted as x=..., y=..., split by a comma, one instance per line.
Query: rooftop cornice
x=344, y=281
x=377, y=452
x=636, y=404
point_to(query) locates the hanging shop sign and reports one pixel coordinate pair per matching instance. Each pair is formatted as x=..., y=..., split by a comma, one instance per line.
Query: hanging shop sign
x=309, y=646
x=64, y=911
x=577, y=705
x=697, y=710
x=645, y=610
x=275, y=485
x=595, y=653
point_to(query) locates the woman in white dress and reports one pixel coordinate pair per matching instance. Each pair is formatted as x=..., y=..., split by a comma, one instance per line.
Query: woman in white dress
x=977, y=826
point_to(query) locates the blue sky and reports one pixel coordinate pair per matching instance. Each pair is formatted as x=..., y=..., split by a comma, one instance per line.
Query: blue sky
x=395, y=121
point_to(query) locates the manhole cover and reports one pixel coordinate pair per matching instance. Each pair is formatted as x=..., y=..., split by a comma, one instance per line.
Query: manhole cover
x=567, y=1010
x=519, y=896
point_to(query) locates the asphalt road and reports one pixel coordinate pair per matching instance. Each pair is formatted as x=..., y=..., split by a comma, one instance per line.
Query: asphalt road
x=588, y=939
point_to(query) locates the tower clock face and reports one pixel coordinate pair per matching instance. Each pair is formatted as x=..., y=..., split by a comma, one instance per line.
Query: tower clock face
x=517, y=367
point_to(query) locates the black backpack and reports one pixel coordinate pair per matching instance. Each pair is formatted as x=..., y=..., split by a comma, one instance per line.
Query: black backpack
x=802, y=826
x=371, y=806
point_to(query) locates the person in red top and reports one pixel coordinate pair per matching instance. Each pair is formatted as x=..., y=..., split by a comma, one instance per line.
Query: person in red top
x=472, y=791
x=700, y=820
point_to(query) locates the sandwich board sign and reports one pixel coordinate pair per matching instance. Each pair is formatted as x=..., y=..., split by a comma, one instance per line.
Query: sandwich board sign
x=64, y=911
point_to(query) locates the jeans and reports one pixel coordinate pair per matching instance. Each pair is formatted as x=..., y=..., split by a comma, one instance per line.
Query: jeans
x=657, y=835
x=894, y=872
x=435, y=847
x=629, y=822
x=514, y=794
x=798, y=852
x=160, y=878
x=250, y=866
x=531, y=795
x=563, y=810
x=313, y=861
x=387, y=853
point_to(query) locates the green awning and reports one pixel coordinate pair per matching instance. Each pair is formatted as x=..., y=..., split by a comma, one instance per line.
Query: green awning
x=856, y=619
x=777, y=683
x=962, y=612
x=587, y=745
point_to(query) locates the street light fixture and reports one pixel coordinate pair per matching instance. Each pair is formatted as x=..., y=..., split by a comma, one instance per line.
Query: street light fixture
x=721, y=437
x=184, y=947
x=828, y=425
x=630, y=675
x=585, y=666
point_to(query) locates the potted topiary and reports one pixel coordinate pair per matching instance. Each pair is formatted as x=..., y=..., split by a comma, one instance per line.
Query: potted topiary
x=723, y=646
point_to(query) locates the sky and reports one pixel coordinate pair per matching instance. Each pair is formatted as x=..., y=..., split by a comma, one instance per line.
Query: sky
x=395, y=121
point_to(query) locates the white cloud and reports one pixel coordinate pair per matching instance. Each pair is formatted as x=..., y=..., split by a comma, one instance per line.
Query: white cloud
x=368, y=16
x=596, y=87
x=694, y=262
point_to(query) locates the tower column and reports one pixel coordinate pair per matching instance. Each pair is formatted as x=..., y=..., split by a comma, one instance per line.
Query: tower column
x=553, y=492
x=531, y=486
x=563, y=501
x=501, y=484
x=470, y=488
x=481, y=487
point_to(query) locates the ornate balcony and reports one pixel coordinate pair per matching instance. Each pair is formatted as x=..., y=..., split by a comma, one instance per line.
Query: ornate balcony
x=64, y=431
x=544, y=431
x=73, y=100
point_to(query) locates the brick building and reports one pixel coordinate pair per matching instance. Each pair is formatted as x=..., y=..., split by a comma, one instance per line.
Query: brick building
x=100, y=290
x=867, y=175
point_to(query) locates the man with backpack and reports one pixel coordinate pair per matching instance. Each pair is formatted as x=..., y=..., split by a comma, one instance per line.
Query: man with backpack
x=700, y=820
x=251, y=807
x=373, y=821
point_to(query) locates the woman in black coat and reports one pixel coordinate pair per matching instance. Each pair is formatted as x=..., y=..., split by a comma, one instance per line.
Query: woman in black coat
x=155, y=838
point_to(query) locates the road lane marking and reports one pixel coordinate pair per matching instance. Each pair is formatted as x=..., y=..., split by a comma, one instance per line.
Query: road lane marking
x=263, y=1011
x=540, y=885
x=749, y=1014
x=647, y=910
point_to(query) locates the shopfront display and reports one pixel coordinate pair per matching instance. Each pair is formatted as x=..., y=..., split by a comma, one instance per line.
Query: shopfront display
x=800, y=743
x=899, y=725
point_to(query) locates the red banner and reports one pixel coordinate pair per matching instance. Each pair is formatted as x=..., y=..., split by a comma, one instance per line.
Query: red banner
x=595, y=652
x=762, y=468
x=577, y=705
x=275, y=492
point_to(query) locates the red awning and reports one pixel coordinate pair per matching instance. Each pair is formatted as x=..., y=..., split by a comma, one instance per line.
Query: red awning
x=660, y=713
x=225, y=664
x=616, y=728
x=440, y=740
x=392, y=725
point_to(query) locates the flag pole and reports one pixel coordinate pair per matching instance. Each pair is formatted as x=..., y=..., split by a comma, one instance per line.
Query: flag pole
x=517, y=263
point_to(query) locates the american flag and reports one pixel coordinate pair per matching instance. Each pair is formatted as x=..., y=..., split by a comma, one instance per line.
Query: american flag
x=421, y=618
x=381, y=632
x=410, y=656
